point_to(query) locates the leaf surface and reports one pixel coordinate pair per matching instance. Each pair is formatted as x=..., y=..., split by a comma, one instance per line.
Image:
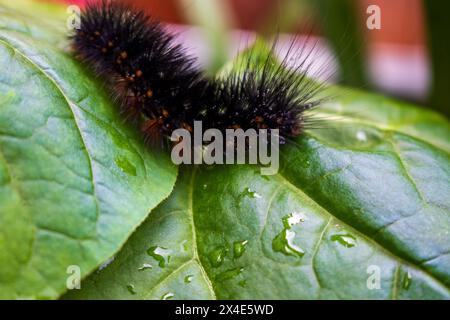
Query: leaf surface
x=359, y=210
x=75, y=180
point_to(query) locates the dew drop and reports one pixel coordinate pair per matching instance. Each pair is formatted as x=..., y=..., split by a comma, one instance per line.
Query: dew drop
x=160, y=254
x=243, y=283
x=239, y=248
x=346, y=240
x=188, y=278
x=131, y=289
x=217, y=256
x=184, y=246
x=229, y=274
x=168, y=296
x=145, y=266
x=251, y=194
x=126, y=166
x=306, y=164
x=361, y=136
x=407, y=279
x=107, y=263
x=293, y=219
x=284, y=241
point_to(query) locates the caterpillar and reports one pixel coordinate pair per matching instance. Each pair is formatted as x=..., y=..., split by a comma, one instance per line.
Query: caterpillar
x=160, y=87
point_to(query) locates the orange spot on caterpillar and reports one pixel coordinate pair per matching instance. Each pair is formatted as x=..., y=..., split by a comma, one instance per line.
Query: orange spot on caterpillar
x=187, y=127
x=149, y=93
x=110, y=44
x=124, y=55
x=165, y=113
x=139, y=73
x=259, y=119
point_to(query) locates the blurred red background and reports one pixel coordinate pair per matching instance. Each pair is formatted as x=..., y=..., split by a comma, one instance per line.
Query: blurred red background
x=402, y=19
x=397, y=59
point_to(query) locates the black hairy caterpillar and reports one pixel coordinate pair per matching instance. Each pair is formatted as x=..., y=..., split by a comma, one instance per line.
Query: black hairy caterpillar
x=160, y=87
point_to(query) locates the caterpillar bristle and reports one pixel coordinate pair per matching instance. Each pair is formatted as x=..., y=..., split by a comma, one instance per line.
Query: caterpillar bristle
x=149, y=75
x=265, y=95
x=160, y=88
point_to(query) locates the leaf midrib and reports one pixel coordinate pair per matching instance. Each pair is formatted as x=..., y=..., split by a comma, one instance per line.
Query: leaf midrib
x=194, y=234
x=195, y=256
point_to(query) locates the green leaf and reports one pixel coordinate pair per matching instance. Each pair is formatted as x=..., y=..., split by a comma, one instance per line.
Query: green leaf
x=75, y=181
x=42, y=21
x=161, y=256
x=365, y=196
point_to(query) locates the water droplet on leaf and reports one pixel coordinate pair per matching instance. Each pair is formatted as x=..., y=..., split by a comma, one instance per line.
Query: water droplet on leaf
x=130, y=289
x=229, y=274
x=145, y=266
x=293, y=219
x=167, y=296
x=107, y=263
x=160, y=254
x=284, y=241
x=239, y=248
x=126, y=166
x=217, y=255
x=306, y=164
x=243, y=283
x=407, y=279
x=361, y=136
x=251, y=194
x=346, y=240
x=184, y=246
